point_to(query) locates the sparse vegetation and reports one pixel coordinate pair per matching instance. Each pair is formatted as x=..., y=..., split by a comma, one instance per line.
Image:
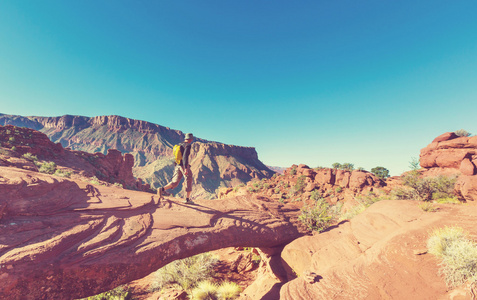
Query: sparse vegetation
x=427, y=206
x=119, y=293
x=62, y=173
x=317, y=217
x=345, y=166
x=293, y=171
x=462, y=133
x=300, y=184
x=94, y=180
x=207, y=290
x=30, y=157
x=458, y=255
x=185, y=272
x=425, y=188
x=363, y=203
x=48, y=167
x=414, y=164
x=451, y=200
x=315, y=195
x=228, y=291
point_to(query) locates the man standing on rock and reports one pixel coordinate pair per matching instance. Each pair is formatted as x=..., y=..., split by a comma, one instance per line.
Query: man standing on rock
x=182, y=169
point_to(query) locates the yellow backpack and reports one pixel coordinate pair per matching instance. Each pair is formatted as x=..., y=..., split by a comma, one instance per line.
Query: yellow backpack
x=177, y=154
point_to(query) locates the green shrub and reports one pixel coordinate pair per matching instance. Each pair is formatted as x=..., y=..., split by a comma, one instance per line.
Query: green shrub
x=458, y=255
x=228, y=291
x=205, y=290
x=348, y=167
x=11, y=139
x=117, y=184
x=119, y=293
x=48, y=168
x=14, y=148
x=363, y=203
x=427, y=206
x=300, y=184
x=441, y=238
x=426, y=188
x=30, y=157
x=317, y=217
x=462, y=132
x=452, y=200
x=62, y=173
x=293, y=171
x=315, y=195
x=94, y=180
x=339, y=189
x=460, y=263
x=185, y=272
x=414, y=164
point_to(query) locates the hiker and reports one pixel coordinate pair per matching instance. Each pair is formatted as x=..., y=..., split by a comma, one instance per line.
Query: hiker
x=182, y=169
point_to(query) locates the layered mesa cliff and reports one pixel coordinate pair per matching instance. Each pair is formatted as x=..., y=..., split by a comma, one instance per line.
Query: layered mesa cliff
x=214, y=164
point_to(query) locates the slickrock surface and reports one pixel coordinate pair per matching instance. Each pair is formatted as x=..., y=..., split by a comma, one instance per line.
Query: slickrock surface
x=64, y=239
x=380, y=254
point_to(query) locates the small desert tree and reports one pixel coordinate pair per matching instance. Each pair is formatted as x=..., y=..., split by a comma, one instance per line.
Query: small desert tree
x=336, y=165
x=414, y=164
x=380, y=172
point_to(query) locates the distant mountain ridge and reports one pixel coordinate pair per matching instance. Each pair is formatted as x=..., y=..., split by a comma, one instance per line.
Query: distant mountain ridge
x=214, y=164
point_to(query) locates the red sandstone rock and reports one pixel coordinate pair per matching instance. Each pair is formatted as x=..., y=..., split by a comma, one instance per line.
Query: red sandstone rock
x=467, y=167
x=466, y=187
x=67, y=239
x=449, y=154
x=445, y=137
x=372, y=256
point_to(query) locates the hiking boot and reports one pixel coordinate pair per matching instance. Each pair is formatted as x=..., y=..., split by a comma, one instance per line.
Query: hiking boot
x=162, y=192
x=188, y=201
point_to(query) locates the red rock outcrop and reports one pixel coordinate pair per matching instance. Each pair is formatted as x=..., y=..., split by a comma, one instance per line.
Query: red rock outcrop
x=113, y=167
x=451, y=154
x=379, y=254
x=64, y=239
x=299, y=181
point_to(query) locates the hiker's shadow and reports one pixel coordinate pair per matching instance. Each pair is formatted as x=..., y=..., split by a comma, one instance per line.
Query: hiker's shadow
x=93, y=192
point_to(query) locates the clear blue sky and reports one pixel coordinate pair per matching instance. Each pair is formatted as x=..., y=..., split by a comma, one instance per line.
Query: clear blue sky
x=314, y=82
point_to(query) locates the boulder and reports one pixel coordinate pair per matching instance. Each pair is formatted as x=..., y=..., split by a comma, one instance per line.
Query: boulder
x=449, y=154
x=467, y=167
x=445, y=137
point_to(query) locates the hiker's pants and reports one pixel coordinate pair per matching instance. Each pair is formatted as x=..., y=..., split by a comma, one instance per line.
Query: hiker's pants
x=176, y=178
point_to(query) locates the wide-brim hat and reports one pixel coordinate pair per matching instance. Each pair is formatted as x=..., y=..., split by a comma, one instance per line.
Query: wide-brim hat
x=189, y=136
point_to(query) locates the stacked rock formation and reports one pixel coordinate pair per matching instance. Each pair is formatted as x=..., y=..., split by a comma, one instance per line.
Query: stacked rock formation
x=449, y=153
x=300, y=181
